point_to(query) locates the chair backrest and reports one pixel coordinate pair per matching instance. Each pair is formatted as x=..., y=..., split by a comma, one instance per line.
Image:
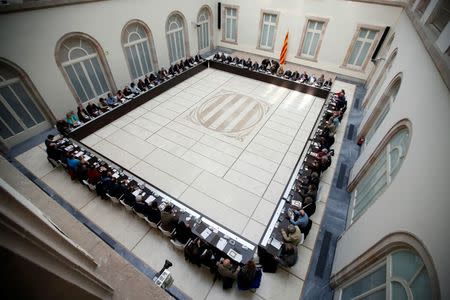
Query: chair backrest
x=165, y=232
x=115, y=200
x=152, y=224
x=177, y=244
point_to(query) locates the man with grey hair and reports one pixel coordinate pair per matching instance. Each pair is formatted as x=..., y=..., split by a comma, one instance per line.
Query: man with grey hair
x=292, y=234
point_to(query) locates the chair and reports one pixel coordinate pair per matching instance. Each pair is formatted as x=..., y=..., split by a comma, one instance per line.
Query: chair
x=178, y=245
x=165, y=232
x=92, y=187
x=127, y=207
x=85, y=182
x=114, y=200
x=140, y=215
x=302, y=239
x=54, y=162
x=153, y=225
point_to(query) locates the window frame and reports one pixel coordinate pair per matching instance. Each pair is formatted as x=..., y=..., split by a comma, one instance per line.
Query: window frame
x=210, y=28
x=384, y=101
x=377, y=253
x=304, y=33
x=375, y=42
x=261, y=25
x=150, y=44
x=224, y=21
x=382, y=148
x=185, y=33
x=101, y=58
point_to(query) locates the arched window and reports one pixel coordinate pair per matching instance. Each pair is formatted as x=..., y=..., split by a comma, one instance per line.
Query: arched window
x=139, y=49
x=399, y=275
x=204, y=29
x=381, y=169
x=380, y=112
x=381, y=78
x=20, y=113
x=83, y=66
x=176, y=37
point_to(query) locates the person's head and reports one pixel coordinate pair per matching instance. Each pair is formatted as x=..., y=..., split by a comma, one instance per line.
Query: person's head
x=109, y=95
x=288, y=248
x=226, y=262
x=50, y=136
x=302, y=212
x=250, y=265
x=308, y=200
x=119, y=92
x=132, y=84
x=154, y=205
x=168, y=208
x=291, y=228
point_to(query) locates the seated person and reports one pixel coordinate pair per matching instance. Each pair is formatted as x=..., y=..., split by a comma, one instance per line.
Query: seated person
x=182, y=232
x=265, y=64
x=299, y=218
x=72, y=162
x=103, y=105
x=249, y=277
x=216, y=56
x=274, y=67
x=141, y=85
x=228, y=272
x=120, y=96
x=198, y=59
x=310, y=192
x=72, y=119
x=82, y=114
x=328, y=83
x=128, y=197
x=292, y=234
x=54, y=153
x=141, y=207
x=289, y=255
x=168, y=219
x=280, y=71
x=134, y=89
x=189, y=62
x=154, y=214
x=304, y=77
x=255, y=66
x=63, y=127
x=153, y=79
x=111, y=100
x=82, y=171
x=103, y=185
x=287, y=74
x=172, y=71
x=312, y=79
x=49, y=140
x=182, y=65
x=93, y=175
x=127, y=91
x=194, y=250
x=93, y=110
x=228, y=59
x=223, y=57
x=248, y=63
x=320, y=80
x=235, y=61
x=295, y=76
x=116, y=189
x=309, y=206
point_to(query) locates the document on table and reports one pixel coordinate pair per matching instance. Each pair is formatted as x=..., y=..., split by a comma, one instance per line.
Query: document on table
x=276, y=243
x=206, y=233
x=221, y=244
x=136, y=192
x=150, y=199
x=234, y=255
x=116, y=175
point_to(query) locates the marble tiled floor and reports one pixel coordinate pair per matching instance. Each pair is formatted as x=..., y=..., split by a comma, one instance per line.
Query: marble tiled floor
x=153, y=248
x=223, y=144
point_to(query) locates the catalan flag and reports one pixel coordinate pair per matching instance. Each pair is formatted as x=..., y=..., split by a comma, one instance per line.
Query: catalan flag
x=284, y=49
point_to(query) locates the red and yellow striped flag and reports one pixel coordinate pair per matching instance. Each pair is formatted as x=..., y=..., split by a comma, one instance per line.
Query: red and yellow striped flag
x=284, y=49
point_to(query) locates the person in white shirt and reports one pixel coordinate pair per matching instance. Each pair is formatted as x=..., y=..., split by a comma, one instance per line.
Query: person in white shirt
x=134, y=89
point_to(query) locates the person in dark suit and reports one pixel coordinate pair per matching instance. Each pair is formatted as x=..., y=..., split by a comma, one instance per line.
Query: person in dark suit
x=295, y=76
x=93, y=110
x=255, y=66
x=128, y=197
x=168, y=219
x=289, y=255
x=154, y=214
x=248, y=63
x=82, y=114
x=249, y=277
x=309, y=206
x=182, y=232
